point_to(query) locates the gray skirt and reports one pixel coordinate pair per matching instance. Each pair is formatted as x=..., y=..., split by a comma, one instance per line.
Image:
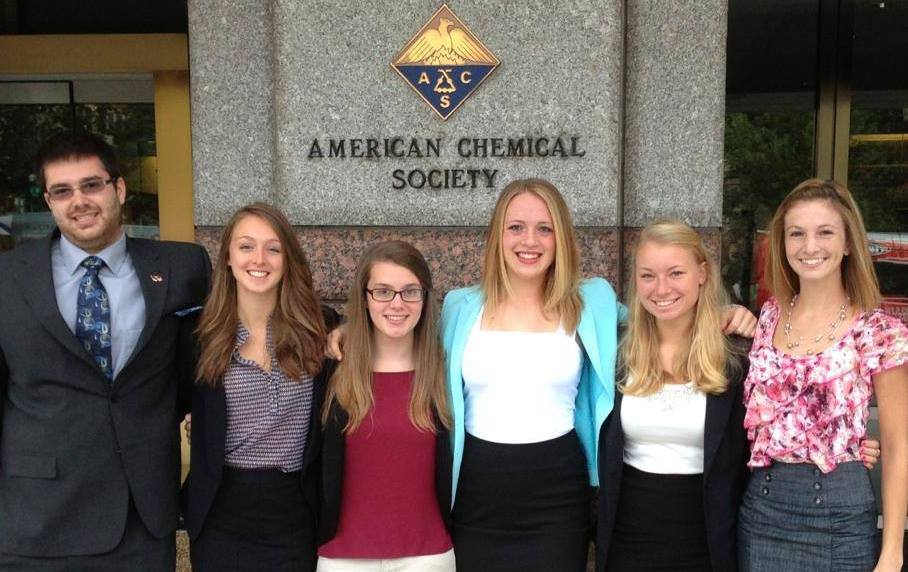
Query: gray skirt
x=795, y=517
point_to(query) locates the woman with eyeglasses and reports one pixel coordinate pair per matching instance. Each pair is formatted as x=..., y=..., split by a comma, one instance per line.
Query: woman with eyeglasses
x=385, y=453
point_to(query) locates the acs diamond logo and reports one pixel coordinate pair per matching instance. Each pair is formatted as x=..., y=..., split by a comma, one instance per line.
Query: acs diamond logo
x=444, y=62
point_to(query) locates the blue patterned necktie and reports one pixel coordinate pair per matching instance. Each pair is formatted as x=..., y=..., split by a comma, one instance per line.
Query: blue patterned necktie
x=93, y=316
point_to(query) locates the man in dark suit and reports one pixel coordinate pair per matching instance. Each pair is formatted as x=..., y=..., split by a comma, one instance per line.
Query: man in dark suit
x=95, y=366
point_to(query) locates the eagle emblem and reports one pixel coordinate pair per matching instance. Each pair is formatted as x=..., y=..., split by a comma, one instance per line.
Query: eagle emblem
x=444, y=62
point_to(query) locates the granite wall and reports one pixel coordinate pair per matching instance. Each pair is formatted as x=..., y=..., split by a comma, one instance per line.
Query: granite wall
x=636, y=88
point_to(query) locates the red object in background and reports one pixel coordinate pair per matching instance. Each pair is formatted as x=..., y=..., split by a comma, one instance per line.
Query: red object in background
x=889, y=251
x=759, y=290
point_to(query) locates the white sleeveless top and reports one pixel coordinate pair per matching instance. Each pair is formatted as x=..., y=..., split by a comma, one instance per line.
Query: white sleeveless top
x=520, y=387
x=663, y=432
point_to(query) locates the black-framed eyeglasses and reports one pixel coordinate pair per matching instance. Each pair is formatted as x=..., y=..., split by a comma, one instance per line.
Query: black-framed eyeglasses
x=89, y=187
x=387, y=294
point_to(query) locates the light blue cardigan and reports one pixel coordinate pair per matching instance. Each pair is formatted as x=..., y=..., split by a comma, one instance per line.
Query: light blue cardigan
x=598, y=334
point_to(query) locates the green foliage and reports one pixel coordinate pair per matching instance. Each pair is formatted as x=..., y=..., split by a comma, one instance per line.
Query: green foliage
x=766, y=155
x=23, y=128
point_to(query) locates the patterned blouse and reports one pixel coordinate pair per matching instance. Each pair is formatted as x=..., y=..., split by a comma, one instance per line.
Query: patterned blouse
x=267, y=413
x=814, y=408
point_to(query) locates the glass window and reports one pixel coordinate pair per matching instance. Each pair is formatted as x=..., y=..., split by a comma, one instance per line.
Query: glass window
x=25, y=122
x=770, y=123
x=878, y=143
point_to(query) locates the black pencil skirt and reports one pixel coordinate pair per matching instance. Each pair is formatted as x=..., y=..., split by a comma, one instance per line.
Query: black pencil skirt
x=522, y=507
x=259, y=521
x=660, y=524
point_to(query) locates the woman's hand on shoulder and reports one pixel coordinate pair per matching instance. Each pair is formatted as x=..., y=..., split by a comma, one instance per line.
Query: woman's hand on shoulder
x=336, y=343
x=738, y=320
x=187, y=427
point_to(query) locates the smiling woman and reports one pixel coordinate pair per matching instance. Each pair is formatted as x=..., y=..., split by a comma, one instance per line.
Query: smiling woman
x=673, y=453
x=530, y=370
x=385, y=470
x=256, y=257
x=823, y=347
x=260, y=381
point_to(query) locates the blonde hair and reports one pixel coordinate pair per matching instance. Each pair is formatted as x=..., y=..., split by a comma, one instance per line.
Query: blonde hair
x=351, y=384
x=562, y=286
x=858, y=276
x=704, y=358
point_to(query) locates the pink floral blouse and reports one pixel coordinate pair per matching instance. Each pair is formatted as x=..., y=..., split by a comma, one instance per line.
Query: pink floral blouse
x=814, y=408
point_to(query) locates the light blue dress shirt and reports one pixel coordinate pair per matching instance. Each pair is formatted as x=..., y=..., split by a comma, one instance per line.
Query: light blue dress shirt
x=127, y=304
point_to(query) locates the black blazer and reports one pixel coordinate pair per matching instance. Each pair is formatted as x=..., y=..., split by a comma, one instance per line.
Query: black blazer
x=74, y=446
x=725, y=470
x=333, y=447
x=209, y=434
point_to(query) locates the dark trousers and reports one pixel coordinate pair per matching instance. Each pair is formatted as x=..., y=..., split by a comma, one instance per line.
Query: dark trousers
x=137, y=550
x=259, y=520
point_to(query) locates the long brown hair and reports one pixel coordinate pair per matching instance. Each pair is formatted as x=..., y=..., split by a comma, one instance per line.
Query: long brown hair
x=297, y=326
x=351, y=384
x=562, y=285
x=858, y=276
x=704, y=359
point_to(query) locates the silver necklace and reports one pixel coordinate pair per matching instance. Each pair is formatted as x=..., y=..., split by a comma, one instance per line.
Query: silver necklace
x=828, y=333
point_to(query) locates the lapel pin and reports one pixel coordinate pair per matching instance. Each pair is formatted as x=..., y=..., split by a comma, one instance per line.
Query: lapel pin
x=156, y=277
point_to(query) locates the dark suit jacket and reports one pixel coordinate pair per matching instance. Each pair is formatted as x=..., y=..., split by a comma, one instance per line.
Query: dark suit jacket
x=332, y=482
x=74, y=447
x=725, y=471
x=209, y=435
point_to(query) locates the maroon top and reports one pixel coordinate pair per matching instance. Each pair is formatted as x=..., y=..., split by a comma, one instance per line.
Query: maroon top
x=389, y=508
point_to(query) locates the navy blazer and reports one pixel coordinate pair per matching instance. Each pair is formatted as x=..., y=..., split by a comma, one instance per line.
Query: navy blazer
x=334, y=445
x=725, y=455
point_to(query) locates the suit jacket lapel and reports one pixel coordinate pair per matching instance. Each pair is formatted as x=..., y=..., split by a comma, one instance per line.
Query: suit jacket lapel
x=36, y=282
x=154, y=277
x=718, y=409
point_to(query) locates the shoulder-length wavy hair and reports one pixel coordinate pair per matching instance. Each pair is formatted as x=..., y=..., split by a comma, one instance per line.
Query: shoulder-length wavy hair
x=351, y=384
x=858, y=276
x=297, y=326
x=704, y=357
x=562, y=285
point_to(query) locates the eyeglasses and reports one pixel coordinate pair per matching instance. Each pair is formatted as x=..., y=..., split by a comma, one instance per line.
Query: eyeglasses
x=387, y=294
x=89, y=187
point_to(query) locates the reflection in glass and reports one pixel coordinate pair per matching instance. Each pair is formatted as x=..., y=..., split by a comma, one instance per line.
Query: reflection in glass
x=766, y=155
x=878, y=142
x=129, y=127
x=771, y=91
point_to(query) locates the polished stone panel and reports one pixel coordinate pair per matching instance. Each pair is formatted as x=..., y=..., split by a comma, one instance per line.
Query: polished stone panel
x=675, y=109
x=298, y=71
x=231, y=89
